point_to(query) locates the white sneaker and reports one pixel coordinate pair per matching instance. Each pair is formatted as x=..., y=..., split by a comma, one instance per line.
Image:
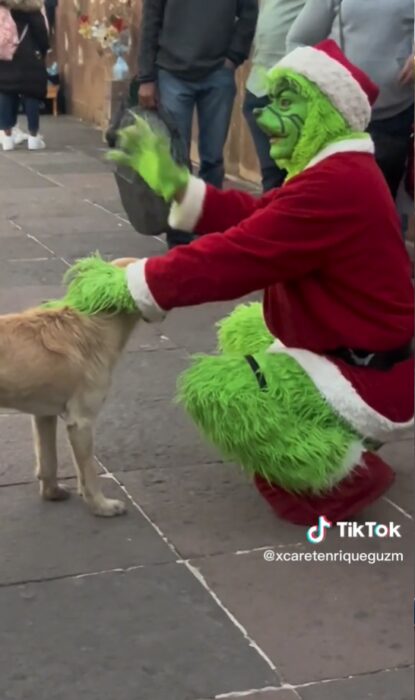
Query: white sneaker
x=36, y=143
x=19, y=135
x=7, y=142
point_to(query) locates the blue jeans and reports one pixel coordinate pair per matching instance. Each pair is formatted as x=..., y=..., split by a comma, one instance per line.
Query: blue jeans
x=272, y=175
x=392, y=139
x=212, y=98
x=9, y=109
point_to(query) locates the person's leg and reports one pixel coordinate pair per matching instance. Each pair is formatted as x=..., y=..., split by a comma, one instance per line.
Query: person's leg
x=177, y=97
x=8, y=111
x=263, y=412
x=392, y=139
x=272, y=176
x=244, y=331
x=215, y=99
x=9, y=104
x=32, y=109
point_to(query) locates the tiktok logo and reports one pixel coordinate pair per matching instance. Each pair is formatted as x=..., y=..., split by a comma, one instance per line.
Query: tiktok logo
x=317, y=533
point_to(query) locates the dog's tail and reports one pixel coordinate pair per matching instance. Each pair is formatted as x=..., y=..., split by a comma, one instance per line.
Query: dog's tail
x=95, y=286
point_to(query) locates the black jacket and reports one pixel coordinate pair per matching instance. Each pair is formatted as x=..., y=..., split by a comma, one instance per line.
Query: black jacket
x=26, y=73
x=192, y=38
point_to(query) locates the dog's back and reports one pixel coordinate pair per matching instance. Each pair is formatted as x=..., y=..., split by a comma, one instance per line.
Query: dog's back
x=46, y=354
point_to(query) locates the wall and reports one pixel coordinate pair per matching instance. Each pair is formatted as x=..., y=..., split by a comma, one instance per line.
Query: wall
x=89, y=91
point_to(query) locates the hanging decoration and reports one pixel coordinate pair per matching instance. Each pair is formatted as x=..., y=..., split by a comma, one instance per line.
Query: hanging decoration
x=112, y=34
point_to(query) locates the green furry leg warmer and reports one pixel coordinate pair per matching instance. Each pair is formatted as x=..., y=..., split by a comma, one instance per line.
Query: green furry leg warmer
x=244, y=332
x=286, y=432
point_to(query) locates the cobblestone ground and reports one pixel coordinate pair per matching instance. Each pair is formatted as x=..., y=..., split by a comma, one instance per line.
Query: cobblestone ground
x=174, y=601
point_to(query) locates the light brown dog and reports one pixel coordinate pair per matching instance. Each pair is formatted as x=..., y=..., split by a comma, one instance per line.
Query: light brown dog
x=58, y=363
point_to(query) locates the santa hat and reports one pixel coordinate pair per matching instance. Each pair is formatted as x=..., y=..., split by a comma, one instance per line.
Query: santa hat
x=348, y=88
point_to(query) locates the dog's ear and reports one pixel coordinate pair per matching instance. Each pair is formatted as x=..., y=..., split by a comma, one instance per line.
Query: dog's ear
x=123, y=262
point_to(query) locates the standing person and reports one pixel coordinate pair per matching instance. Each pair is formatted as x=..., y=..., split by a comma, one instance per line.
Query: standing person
x=376, y=35
x=274, y=21
x=25, y=75
x=190, y=50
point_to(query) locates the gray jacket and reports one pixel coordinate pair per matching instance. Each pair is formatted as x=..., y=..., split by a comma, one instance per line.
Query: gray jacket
x=192, y=38
x=376, y=35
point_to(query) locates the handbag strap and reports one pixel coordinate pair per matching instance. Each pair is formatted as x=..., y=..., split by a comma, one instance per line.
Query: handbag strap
x=23, y=34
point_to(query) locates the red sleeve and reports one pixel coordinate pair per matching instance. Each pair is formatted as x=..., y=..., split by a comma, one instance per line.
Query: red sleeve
x=290, y=238
x=222, y=210
x=205, y=209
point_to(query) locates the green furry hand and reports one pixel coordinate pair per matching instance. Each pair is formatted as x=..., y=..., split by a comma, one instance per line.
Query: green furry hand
x=94, y=287
x=148, y=154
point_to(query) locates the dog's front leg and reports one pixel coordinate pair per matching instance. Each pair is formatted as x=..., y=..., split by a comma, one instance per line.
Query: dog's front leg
x=82, y=443
x=44, y=436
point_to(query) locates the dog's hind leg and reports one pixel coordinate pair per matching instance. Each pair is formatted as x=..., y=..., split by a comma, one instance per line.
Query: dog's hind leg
x=44, y=436
x=82, y=443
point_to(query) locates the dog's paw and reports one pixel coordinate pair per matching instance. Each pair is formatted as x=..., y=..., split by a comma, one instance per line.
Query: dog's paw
x=108, y=508
x=55, y=492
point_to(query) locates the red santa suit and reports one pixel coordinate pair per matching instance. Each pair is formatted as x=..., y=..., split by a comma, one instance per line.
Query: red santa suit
x=327, y=250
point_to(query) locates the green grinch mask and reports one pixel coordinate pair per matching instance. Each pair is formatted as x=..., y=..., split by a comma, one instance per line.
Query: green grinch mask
x=283, y=121
x=300, y=120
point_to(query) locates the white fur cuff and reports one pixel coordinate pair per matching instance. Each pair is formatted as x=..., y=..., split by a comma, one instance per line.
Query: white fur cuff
x=344, y=399
x=184, y=216
x=140, y=292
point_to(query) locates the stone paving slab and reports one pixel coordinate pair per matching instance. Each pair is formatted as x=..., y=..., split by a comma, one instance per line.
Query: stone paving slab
x=40, y=204
x=30, y=273
x=15, y=178
x=15, y=299
x=92, y=219
x=146, y=376
x=194, y=328
x=17, y=460
x=196, y=331
x=319, y=620
x=273, y=695
x=401, y=456
x=15, y=247
x=40, y=540
x=72, y=163
x=208, y=509
x=390, y=685
x=151, y=634
x=140, y=434
x=148, y=337
x=75, y=181
x=113, y=242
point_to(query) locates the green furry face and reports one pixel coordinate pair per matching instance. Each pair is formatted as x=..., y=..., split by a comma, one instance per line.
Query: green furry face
x=292, y=95
x=283, y=121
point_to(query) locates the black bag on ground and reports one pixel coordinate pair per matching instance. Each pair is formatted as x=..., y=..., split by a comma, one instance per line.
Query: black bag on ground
x=146, y=211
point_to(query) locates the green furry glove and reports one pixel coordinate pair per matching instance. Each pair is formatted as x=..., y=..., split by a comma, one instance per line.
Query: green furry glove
x=95, y=286
x=148, y=154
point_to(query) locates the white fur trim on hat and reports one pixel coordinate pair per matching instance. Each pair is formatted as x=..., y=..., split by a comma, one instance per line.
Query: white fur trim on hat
x=141, y=293
x=334, y=80
x=344, y=399
x=184, y=216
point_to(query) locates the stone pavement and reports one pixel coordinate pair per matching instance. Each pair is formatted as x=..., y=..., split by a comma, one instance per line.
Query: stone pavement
x=175, y=601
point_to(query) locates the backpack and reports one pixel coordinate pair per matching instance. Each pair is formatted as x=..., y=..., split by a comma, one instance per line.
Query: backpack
x=9, y=37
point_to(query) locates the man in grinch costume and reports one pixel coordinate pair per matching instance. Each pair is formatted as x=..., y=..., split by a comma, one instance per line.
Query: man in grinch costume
x=308, y=385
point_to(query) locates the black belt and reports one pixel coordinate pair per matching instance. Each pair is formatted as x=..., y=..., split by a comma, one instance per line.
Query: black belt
x=382, y=361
